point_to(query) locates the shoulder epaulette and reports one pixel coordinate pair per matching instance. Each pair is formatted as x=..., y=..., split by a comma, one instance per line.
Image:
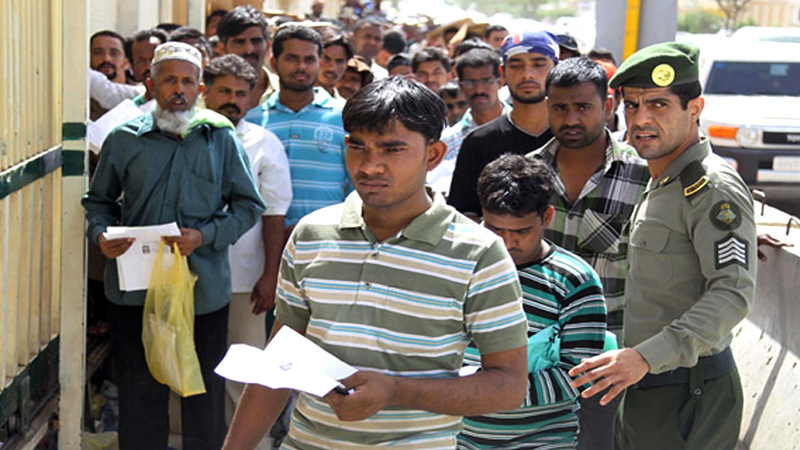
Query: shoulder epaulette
x=694, y=180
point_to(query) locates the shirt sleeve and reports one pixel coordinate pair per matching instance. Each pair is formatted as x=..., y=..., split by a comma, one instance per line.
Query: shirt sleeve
x=582, y=321
x=109, y=94
x=291, y=305
x=493, y=308
x=273, y=177
x=244, y=203
x=726, y=251
x=463, y=194
x=101, y=200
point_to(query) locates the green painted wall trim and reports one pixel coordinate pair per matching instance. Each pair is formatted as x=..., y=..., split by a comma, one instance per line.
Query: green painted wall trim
x=29, y=171
x=73, y=162
x=73, y=131
x=42, y=379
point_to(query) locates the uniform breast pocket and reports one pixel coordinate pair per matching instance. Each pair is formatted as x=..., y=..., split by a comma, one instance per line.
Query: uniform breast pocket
x=600, y=233
x=647, y=255
x=200, y=198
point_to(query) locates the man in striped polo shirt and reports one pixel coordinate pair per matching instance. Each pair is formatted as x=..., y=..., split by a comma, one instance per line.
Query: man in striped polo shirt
x=395, y=283
x=562, y=298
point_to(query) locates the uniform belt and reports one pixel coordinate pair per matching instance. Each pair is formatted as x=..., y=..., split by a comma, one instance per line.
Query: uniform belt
x=707, y=368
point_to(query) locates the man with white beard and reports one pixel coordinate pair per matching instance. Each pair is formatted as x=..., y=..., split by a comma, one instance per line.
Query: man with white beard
x=178, y=164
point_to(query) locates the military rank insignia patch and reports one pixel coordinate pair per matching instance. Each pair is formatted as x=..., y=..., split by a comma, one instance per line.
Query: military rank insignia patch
x=725, y=216
x=730, y=250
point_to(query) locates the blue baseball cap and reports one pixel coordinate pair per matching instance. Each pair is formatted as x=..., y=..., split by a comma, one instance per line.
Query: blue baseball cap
x=542, y=42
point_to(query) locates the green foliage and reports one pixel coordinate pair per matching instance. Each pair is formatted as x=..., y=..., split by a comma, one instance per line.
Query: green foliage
x=700, y=21
x=749, y=22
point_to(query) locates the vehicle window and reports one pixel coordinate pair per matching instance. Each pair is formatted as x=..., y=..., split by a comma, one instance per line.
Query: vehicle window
x=754, y=78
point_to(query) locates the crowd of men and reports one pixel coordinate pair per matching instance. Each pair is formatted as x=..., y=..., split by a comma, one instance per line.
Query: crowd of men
x=404, y=202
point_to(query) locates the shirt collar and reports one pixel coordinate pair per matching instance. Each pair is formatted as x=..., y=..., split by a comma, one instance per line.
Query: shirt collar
x=429, y=227
x=694, y=153
x=616, y=152
x=322, y=99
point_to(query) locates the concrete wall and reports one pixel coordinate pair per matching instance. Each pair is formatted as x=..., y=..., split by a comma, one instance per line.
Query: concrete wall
x=767, y=346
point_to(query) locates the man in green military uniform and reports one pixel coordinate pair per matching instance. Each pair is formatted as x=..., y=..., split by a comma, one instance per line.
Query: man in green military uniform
x=691, y=277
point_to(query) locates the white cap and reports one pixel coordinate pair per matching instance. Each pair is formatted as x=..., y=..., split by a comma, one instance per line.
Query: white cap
x=177, y=51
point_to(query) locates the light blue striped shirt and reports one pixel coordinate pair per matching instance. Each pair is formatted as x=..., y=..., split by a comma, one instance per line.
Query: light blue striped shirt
x=314, y=142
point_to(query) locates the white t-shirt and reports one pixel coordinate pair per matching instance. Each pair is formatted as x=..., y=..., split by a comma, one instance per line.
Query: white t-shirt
x=270, y=168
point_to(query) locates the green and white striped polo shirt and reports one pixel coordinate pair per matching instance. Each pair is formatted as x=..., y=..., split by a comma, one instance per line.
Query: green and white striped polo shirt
x=407, y=306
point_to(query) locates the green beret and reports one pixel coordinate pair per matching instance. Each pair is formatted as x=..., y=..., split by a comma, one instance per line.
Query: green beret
x=659, y=65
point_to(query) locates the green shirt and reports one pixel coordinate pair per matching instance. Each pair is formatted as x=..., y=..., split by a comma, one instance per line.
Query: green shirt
x=407, y=306
x=202, y=181
x=692, y=261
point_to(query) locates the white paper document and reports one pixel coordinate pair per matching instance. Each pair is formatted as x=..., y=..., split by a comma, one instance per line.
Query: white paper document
x=289, y=361
x=97, y=131
x=136, y=264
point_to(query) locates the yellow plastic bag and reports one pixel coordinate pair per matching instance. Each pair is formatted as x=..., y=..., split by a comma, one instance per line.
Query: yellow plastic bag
x=168, y=325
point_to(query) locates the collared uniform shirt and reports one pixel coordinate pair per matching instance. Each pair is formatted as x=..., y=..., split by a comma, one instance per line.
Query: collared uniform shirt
x=407, y=306
x=692, y=260
x=202, y=181
x=270, y=169
x=592, y=226
x=314, y=142
x=441, y=177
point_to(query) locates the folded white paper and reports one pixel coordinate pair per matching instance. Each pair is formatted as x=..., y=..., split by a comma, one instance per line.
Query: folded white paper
x=136, y=264
x=97, y=131
x=290, y=361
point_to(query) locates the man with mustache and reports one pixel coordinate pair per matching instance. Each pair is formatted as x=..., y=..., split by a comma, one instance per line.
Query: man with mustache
x=255, y=257
x=527, y=59
x=395, y=283
x=107, y=56
x=178, y=164
x=479, y=78
x=143, y=46
x=336, y=51
x=691, y=274
x=244, y=31
x=599, y=181
x=307, y=120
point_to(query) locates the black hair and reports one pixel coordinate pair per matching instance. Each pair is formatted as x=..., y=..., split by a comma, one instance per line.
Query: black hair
x=332, y=35
x=394, y=42
x=295, y=30
x=574, y=71
x=478, y=57
x=687, y=92
x=229, y=65
x=235, y=21
x=492, y=28
x=168, y=27
x=516, y=185
x=215, y=13
x=184, y=34
x=400, y=59
x=430, y=54
x=367, y=22
x=602, y=54
x=143, y=35
x=470, y=44
x=450, y=89
x=397, y=98
x=108, y=33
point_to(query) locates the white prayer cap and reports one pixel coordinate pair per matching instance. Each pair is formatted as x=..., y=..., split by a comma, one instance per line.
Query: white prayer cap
x=177, y=51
